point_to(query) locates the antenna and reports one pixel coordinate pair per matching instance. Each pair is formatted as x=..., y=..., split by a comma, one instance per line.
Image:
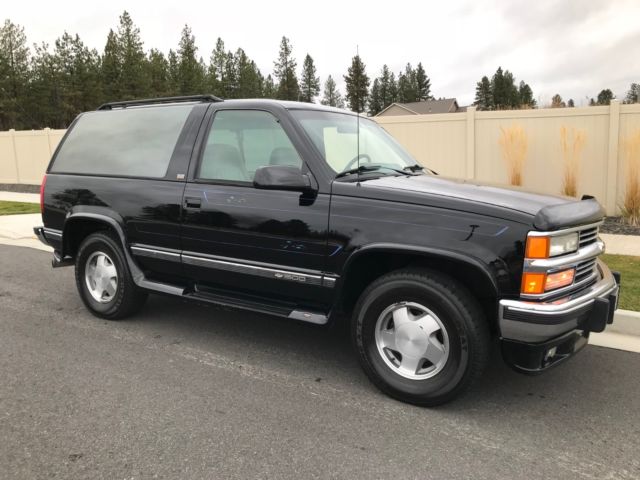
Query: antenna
x=358, y=129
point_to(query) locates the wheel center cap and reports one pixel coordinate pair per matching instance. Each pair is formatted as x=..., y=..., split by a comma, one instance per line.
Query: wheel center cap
x=411, y=340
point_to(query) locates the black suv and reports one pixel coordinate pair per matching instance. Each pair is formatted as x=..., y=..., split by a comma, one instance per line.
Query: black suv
x=317, y=215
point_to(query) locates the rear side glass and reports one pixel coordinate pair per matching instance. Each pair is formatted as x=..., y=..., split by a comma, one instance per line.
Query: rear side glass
x=134, y=142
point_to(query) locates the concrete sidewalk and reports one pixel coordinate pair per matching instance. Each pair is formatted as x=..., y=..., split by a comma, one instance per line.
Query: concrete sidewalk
x=18, y=230
x=19, y=197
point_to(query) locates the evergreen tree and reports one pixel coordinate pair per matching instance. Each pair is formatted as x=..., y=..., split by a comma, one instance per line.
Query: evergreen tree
x=44, y=90
x=605, y=96
x=571, y=103
x=14, y=76
x=408, y=85
x=190, y=72
x=633, y=95
x=309, y=82
x=134, y=82
x=592, y=103
x=285, y=72
x=331, y=95
x=158, y=72
x=269, y=89
x=388, y=89
x=215, y=73
x=525, y=96
x=557, y=102
x=174, y=73
x=249, y=80
x=357, y=83
x=230, y=79
x=423, y=84
x=111, y=70
x=375, y=99
x=484, y=96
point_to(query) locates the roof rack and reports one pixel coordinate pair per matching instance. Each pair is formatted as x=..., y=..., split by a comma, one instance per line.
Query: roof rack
x=160, y=100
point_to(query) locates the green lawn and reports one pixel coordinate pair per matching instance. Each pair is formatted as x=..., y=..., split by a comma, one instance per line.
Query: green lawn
x=13, y=208
x=629, y=267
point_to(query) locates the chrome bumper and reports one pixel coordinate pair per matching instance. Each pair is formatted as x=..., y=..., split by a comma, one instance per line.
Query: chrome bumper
x=528, y=321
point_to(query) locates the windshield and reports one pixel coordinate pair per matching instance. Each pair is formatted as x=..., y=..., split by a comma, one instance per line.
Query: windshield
x=336, y=136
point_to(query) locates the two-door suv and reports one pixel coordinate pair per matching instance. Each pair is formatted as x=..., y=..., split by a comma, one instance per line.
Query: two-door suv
x=318, y=215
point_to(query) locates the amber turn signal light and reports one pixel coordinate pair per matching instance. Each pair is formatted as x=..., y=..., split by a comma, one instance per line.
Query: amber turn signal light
x=560, y=279
x=533, y=283
x=537, y=247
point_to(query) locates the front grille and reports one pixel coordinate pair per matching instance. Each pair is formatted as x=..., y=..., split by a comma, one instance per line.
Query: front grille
x=588, y=236
x=585, y=270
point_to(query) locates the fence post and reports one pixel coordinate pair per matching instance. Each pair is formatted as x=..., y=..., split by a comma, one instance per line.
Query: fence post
x=12, y=132
x=612, y=157
x=471, y=143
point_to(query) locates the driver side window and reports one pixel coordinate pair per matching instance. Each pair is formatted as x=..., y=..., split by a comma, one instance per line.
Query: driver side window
x=241, y=141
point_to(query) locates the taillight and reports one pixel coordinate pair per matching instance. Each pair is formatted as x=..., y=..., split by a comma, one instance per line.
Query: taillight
x=42, y=185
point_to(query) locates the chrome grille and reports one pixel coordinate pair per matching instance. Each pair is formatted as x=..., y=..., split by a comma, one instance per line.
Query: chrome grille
x=585, y=270
x=588, y=236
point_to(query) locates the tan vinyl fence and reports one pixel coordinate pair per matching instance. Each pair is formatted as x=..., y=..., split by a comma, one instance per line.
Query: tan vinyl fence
x=24, y=155
x=464, y=145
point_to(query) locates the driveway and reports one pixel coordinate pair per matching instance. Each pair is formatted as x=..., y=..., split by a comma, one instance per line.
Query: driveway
x=186, y=391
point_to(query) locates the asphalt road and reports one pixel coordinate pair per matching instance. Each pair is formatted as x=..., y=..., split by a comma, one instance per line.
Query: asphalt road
x=185, y=391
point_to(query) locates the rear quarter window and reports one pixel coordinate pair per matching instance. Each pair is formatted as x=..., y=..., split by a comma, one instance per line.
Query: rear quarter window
x=133, y=142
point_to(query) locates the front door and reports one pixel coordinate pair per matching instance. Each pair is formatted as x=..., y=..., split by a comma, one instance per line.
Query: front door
x=235, y=237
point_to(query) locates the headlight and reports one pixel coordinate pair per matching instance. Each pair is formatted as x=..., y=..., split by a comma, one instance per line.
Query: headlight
x=563, y=244
x=545, y=247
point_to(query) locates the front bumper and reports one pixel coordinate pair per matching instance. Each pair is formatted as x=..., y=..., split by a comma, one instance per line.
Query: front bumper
x=538, y=335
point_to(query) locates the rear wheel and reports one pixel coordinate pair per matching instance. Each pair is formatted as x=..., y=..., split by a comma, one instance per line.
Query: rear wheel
x=421, y=337
x=103, y=278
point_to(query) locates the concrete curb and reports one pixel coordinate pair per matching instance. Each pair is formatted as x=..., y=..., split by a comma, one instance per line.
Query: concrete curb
x=622, y=334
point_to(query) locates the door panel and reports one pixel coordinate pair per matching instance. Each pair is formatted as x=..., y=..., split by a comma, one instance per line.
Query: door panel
x=235, y=236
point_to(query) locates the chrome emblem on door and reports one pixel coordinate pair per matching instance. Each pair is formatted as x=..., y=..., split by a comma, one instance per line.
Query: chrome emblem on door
x=290, y=276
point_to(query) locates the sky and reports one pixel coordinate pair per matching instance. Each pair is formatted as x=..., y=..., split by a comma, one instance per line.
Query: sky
x=571, y=47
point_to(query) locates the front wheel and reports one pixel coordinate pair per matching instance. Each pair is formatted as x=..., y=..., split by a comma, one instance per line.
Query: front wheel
x=421, y=337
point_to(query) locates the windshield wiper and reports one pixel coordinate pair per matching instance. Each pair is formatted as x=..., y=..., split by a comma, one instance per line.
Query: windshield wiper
x=414, y=168
x=368, y=168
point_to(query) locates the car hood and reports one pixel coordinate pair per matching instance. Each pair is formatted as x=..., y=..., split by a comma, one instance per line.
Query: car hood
x=513, y=198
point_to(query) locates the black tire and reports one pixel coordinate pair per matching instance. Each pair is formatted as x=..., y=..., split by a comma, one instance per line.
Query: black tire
x=458, y=312
x=128, y=298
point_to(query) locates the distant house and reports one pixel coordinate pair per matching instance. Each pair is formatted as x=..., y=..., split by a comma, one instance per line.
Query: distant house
x=445, y=105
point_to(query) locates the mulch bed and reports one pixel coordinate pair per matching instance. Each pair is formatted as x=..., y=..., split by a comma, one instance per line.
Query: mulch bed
x=19, y=188
x=617, y=226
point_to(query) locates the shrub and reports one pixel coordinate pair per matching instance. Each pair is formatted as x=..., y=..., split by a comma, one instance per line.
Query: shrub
x=572, y=142
x=631, y=205
x=514, y=145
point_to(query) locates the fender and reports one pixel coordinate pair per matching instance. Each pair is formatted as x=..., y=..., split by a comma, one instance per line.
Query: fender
x=424, y=251
x=112, y=219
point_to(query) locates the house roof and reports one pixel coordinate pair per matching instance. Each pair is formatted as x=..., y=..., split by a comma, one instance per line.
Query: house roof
x=445, y=105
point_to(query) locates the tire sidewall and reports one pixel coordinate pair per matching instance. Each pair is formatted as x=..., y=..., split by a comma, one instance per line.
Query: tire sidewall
x=103, y=243
x=452, y=316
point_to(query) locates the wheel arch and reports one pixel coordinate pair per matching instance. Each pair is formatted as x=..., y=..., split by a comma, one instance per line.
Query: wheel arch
x=373, y=261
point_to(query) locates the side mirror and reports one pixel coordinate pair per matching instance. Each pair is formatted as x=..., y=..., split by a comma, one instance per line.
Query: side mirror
x=281, y=177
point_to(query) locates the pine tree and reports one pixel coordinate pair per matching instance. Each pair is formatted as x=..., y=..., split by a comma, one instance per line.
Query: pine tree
x=14, y=76
x=174, y=73
x=158, y=72
x=484, y=98
x=423, y=84
x=215, y=73
x=134, y=82
x=357, y=83
x=230, y=79
x=111, y=68
x=190, y=72
x=571, y=103
x=44, y=90
x=285, y=72
x=331, y=95
x=557, y=102
x=525, y=96
x=605, y=96
x=269, y=89
x=633, y=95
x=388, y=89
x=248, y=77
x=408, y=86
x=375, y=98
x=309, y=82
